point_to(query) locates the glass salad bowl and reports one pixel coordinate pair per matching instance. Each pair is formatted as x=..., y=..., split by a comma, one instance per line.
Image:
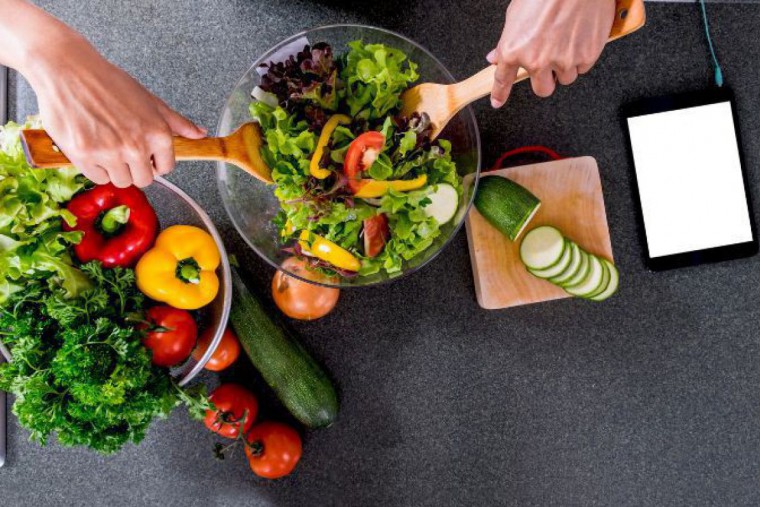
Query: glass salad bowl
x=173, y=207
x=251, y=204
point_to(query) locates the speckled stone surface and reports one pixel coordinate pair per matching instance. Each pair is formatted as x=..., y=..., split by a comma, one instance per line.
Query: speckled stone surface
x=652, y=398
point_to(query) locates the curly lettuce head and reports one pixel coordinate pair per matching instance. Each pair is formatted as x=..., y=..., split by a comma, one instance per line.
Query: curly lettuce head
x=32, y=244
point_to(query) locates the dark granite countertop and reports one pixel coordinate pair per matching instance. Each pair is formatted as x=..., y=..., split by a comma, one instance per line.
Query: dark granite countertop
x=651, y=398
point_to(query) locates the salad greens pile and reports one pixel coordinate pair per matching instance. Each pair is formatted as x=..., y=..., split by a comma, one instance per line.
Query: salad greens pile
x=365, y=83
x=33, y=245
x=79, y=368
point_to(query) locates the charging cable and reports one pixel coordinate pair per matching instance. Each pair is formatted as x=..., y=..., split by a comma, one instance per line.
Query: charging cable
x=718, y=70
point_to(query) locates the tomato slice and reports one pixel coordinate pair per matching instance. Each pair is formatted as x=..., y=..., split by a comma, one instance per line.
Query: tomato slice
x=362, y=152
x=376, y=234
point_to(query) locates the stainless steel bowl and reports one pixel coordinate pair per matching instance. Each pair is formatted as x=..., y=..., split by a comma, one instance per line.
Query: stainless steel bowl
x=173, y=206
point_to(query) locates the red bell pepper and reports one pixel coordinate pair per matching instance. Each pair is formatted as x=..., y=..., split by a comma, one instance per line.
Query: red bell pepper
x=361, y=154
x=119, y=225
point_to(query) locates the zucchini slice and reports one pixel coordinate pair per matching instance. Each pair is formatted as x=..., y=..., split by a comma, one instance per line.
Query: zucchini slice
x=612, y=287
x=606, y=275
x=542, y=248
x=444, y=203
x=558, y=268
x=582, y=272
x=592, y=280
x=572, y=268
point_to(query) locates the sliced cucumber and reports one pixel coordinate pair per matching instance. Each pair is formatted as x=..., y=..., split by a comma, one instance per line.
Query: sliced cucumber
x=572, y=268
x=444, y=203
x=559, y=267
x=542, y=248
x=612, y=286
x=603, y=283
x=591, y=283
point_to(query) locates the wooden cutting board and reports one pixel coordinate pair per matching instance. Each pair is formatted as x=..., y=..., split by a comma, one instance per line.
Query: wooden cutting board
x=571, y=197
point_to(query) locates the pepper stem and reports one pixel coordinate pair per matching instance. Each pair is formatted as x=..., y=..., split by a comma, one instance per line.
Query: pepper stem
x=189, y=271
x=114, y=218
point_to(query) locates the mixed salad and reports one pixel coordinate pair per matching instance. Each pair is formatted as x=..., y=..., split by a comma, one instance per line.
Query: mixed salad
x=361, y=189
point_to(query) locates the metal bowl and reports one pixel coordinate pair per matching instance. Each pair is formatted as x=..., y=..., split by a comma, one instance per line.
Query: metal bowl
x=173, y=207
x=251, y=204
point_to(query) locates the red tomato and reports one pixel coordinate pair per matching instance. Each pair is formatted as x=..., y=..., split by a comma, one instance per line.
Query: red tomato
x=273, y=449
x=361, y=153
x=302, y=300
x=376, y=233
x=171, y=335
x=233, y=404
x=225, y=354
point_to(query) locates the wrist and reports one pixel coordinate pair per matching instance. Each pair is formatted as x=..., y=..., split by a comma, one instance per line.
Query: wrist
x=33, y=39
x=49, y=56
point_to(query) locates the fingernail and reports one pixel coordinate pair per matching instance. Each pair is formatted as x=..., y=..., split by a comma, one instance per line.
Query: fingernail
x=496, y=104
x=491, y=57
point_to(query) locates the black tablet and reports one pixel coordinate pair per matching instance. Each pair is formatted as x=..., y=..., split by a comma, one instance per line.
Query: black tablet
x=690, y=181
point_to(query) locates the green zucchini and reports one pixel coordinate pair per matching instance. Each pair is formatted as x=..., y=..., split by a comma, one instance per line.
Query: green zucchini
x=506, y=205
x=299, y=381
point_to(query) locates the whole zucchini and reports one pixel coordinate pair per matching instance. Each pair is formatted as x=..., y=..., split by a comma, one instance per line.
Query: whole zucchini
x=297, y=379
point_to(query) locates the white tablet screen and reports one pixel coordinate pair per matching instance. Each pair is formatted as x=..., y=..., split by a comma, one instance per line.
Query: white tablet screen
x=690, y=179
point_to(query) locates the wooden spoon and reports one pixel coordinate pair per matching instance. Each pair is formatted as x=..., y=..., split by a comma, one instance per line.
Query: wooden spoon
x=443, y=102
x=241, y=148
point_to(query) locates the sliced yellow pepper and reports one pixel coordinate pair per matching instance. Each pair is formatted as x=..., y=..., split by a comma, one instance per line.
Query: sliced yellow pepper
x=376, y=188
x=180, y=269
x=328, y=251
x=324, y=138
x=288, y=229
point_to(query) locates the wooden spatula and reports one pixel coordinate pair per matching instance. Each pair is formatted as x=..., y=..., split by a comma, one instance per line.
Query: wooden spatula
x=241, y=148
x=443, y=102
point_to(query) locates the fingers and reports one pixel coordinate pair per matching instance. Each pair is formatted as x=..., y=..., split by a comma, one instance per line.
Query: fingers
x=118, y=173
x=504, y=78
x=180, y=125
x=543, y=82
x=94, y=173
x=141, y=170
x=163, y=159
x=567, y=76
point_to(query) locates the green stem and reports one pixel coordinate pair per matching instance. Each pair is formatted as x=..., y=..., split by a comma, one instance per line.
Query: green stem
x=189, y=271
x=114, y=219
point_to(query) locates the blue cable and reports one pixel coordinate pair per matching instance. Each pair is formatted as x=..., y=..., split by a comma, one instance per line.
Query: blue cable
x=718, y=70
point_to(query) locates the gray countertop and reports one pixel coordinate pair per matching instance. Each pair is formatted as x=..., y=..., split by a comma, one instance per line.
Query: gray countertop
x=651, y=398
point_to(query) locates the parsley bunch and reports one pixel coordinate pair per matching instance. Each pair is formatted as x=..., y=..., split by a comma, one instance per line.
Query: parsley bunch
x=79, y=367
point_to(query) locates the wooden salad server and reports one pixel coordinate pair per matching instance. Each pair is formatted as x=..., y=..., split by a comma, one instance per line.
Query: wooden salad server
x=443, y=102
x=241, y=148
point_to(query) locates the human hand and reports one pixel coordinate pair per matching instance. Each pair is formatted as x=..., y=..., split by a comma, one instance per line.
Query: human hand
x=549, y=38
x=103, y=120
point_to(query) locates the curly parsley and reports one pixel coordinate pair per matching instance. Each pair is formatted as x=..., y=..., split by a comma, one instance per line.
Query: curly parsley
x=79, y=368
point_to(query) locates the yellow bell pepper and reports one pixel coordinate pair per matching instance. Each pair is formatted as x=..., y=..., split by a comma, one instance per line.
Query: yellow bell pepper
x=324, y=138
x=328, y=251
x=376, y=188
x=180, y=269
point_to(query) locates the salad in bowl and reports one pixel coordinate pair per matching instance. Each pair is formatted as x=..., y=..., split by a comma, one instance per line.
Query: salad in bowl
x=361, y=189
x=361, y=192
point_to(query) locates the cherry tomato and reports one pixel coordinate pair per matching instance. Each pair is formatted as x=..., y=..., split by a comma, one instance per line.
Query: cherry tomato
x=225, y=354
x=361, y=153
x=376, y=233
x=303, y=300
x=233, y=403
x=171, y=335
x=273, y=449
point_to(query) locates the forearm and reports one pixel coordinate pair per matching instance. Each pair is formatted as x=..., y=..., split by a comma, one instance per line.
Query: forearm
x=30, y=37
